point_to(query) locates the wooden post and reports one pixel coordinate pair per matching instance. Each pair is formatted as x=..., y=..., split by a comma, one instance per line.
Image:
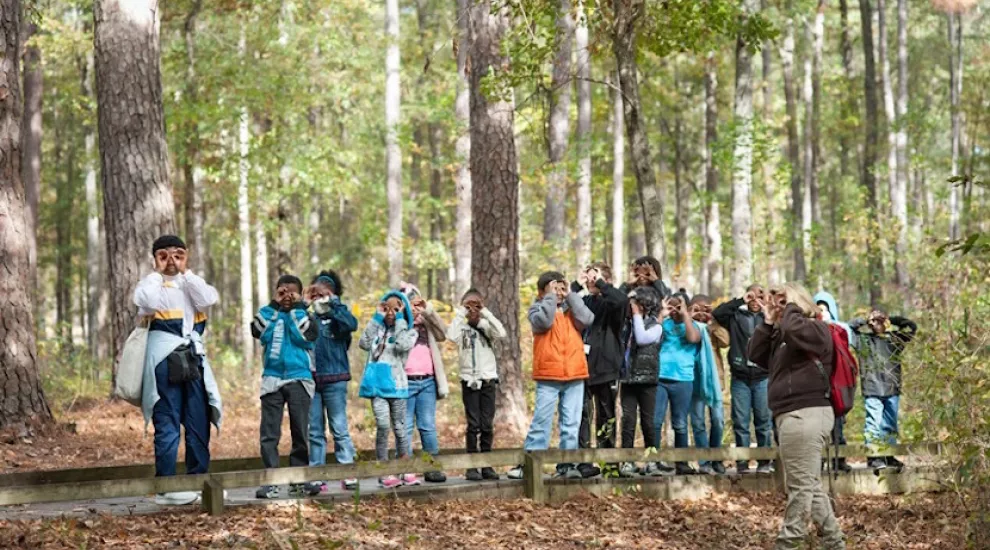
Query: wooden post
x=533, y=477
x=213, y=497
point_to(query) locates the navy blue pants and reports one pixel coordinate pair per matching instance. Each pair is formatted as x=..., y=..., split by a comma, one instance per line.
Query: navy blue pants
x=185, y=405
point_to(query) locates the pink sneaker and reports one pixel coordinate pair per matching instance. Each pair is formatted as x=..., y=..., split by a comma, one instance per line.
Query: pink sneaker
x=390, y=482
x=410, y=479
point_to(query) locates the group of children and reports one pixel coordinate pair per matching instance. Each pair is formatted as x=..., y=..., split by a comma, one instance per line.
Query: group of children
x=593, y=343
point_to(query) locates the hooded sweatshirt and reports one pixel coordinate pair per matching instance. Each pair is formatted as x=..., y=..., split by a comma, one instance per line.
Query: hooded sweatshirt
x=425, y=358
x=736, y=317
x=880, y=356
x=604, y=336
x=828, y=300
x=388, y=347
x=475, y=344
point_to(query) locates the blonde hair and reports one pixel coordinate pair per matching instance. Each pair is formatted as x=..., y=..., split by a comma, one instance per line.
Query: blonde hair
x=799, y=296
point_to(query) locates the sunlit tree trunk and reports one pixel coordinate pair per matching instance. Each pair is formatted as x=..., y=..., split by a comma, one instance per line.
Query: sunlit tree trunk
x=584, y=220
x=898, y=198
x=870, y=147
x=618, y=188
x=244, y=224
x=393, y=156
x=559, y=127
x=808, y=160
x=889, y=111
x=191, y=170
x=793, y=148
x=955, y=93
x=713, y=277
x=31, y=131
x=742, y=173
x=96, y=312
x=462, y=147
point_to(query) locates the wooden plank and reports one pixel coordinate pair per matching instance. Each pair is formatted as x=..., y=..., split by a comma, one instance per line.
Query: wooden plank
x=533, y=478
x=213, y=497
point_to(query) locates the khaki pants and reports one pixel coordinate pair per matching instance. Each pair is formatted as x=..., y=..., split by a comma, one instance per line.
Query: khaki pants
x=803, y=435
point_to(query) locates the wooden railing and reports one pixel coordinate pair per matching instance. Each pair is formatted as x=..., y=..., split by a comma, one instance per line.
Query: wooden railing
x=132, y=481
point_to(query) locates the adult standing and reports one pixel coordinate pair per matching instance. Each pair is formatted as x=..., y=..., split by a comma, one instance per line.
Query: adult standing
x=178, y=387
x=795, y=346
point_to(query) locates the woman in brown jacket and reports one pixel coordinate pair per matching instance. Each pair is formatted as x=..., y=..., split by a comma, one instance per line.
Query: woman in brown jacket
x=792, y=343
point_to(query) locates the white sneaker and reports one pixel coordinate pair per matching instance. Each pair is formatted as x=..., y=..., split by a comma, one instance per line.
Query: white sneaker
x=516, y=473
x=180, y=498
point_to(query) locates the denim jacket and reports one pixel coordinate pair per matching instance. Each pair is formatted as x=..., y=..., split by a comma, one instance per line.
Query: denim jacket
x=336, y=325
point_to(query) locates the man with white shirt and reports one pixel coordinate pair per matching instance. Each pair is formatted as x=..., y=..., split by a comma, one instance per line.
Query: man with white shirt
x=178, y=386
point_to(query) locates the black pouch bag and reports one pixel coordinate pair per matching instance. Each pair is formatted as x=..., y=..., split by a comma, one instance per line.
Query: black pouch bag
x=183, y=365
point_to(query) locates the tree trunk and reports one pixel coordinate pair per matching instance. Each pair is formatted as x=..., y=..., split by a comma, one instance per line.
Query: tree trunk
x=682, y=206
x=462, y=147
x=808, y=99
x=955, y=93
x=618, y=188
x=870, y=147
x=715, y=276
x=742, y=177
x=22, y=399
x=438, y=274
x=772, y=221
x=191, y=170
x=31, y=142
x=818, y=39
x=584, y=220
x=137, y=194
x=95, y=260
x=559, y=129
x=888, y=97
x=393, y=156
x=495, y=207
x=244, y=224
x=850, y=109
x=627, y=13
x=793, y=149
x=898, y=198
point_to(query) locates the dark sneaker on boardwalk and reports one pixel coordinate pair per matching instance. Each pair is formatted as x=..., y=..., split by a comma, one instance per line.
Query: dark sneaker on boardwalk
x=766, y=468
x=588, y=470
x=719, y=468
x=876, y=464
x=472, y=474
x=742, y=468
x=435, y=477
x=314, y=488
x=298, y=490
x=894, y=464
x=627, y=469
x=349, y=484
x=489, y=473
x=683, y=469
x=706, y=469
x=268, y=491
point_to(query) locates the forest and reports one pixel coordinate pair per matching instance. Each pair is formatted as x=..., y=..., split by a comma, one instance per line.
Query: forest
x=462, y=143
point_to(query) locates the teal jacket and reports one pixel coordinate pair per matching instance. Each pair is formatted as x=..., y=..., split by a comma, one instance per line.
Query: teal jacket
x=706, y=383
x=287, y=337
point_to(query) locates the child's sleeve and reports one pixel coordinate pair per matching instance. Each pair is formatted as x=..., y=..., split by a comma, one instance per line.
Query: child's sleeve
x=200, y=293
x=723, y=313
x=368, y=336
x=906, y=328
x=643, y=336
x=405, y=336
x=541, y=313
x=149, y=295
x=457, y=325
x=343, y=322
x=759, y=345
x=434, y=323
x=261, y=321
x=491, y=326
x=583, y=317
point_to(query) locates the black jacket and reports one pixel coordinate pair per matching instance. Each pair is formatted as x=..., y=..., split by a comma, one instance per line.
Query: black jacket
x=644, y=361
x=658, y=285
x=880, y=356
x=741, y=323
x=604, y=336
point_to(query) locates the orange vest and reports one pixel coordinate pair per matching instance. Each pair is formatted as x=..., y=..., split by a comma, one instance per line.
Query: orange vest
x=558, y=354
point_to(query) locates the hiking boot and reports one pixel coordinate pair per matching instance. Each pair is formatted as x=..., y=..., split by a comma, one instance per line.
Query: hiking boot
x=684, y=469
x=876, y=464
x=516, y=473
x=435, y=477
x=588, y=470
x=663, y=469
x=706, y=469
x=268, y=491
x=766, y=468
x=894, y=464
x=180, y=498
x=472, y=474
x=314, y=488
x=627, y=469
x=839, y=465
x=349, y=484
x=489, y=473
x=390, y=482
x=410, y=480
x=569, y=473
x=719, y=468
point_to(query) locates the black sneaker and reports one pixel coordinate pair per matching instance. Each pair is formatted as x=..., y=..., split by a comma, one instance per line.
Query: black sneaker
x=840, y=465
x=588, y=470
x=268, y=491
x=489, y=473
x=876, y=464
x=742, y=468
x=706, y=469
x=435, y=477
x=894, y=464
x=298, y=490
x=766, y=468
x=683, y=469
x=719, y=468
x=473, y=474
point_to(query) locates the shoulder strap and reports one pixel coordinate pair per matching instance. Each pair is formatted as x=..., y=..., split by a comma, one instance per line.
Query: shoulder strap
x=828, y=383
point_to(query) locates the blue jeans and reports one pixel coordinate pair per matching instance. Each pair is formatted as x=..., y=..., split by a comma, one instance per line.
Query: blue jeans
x=702, y=440
x=421, y=410
x=678, y=394
x=749, y=400
x=568, y=399
x=330, y=403
x=881, y=420
x=183, y=405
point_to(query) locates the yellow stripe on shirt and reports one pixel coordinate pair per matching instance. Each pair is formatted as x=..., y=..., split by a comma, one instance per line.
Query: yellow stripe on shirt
x=199, y=318
x=168, y=314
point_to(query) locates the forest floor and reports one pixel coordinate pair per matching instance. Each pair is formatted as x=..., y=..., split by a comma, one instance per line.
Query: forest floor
x=917, y=522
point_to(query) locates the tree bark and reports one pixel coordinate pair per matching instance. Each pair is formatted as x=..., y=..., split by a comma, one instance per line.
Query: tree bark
x=192, y=172
x=393, y=156
x=898, y=198
x=742, y=177
x=955, y=93
x=870, y=147
x=818, y=39
x=618, y=188
x=808, y=160
x=137, y=193
x=22, y=399
x=584, y=220
x=682, y=209
x=495, y=206
x=462, y=148
x=31, y=131
x=244, y=224
x=850, y=109
x=559, y=129
x=793, y=149
x=95, y=260
x=772, y=221
x=889, y=111
x=438, y=274
x=714, y=276
x=627, y=14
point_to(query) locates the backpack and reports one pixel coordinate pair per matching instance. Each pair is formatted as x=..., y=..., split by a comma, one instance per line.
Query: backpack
x=842, y=384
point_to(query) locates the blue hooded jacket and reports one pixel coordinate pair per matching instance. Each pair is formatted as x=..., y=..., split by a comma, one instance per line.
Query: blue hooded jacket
x=336, y=327
x=826, y=298
x=287, y=339
x=388, y=349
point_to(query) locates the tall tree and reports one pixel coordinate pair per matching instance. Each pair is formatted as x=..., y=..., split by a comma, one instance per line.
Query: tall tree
x=583, y=139
x=192, y=172
x=31, y=137
x=899, y=197
x=244, y=221
x=742, y=174
x=137, y=194
x=627, y=14
x=870, y=130
x=618, y=187
x=793, y=146
x=887, y=87
x=817, y=31
x=22, y=399
x=771, y=222
x=713, y=277
x=954, y=23
x=95, y=253
x=393, y=156
x=462, y=147
x=559, y=127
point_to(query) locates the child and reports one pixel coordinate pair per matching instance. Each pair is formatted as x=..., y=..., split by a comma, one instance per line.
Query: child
x=333, y=371
x=387, y=339
x=641, y=372
x=474, y=330
x=646, y=271
x=879, y=349
x=679, y=349
x=286, y=333
x=426, y=375
x=559, y=367
x=829, y=309
x=749, y=383
x=707, y=389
